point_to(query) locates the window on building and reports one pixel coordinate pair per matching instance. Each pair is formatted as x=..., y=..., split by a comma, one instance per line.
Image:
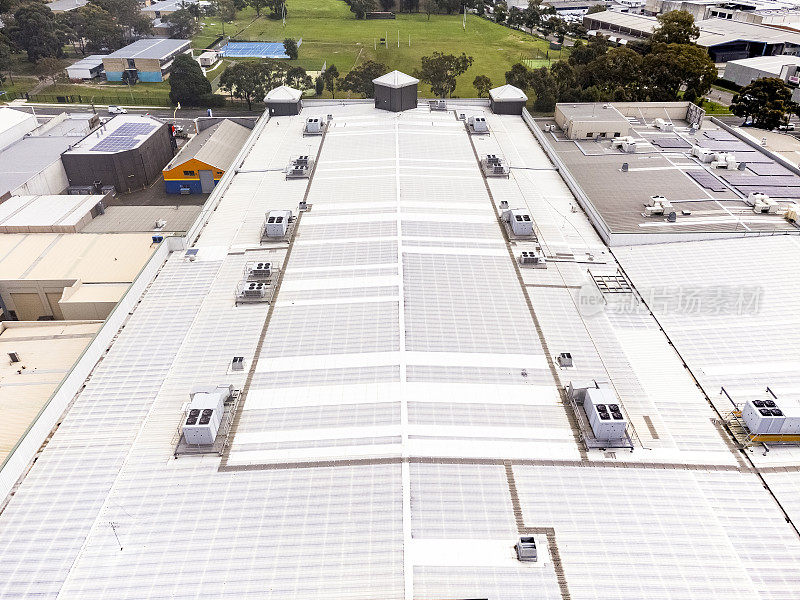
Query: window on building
x=616, y=134
x=590, y=134
x=189, y=173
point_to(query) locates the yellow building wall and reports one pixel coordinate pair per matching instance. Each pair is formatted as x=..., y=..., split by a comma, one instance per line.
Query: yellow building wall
x=177, y=173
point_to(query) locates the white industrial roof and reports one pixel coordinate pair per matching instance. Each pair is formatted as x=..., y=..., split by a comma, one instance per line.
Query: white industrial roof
x=44, y=213
x=395, y=79
x=712, y=31
x=283, y=93
x=402, y=421
x=10, y=117
x=88, y=62
x=771, y=64
x=507, y=93
x=152, y=48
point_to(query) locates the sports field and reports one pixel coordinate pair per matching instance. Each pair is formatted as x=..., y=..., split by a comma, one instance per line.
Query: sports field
x=331, y=34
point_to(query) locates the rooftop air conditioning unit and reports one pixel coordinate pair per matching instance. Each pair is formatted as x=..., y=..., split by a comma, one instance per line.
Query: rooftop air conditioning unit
x=762, y=203
x=793, y=213
x=521, y=222
x=658, y=205
x=526, y=549
x=314, y=126
x=299, y=168
x=276, y=224
x=494, y=166
x=604, y=412
x=533, y=258
x=252, y=291
x=205, y=414
x=704, y=155
x=255, y=271
x=478, y=125
x=565, y=360
x=663, y=125
x=724, y=160
x=437, y=104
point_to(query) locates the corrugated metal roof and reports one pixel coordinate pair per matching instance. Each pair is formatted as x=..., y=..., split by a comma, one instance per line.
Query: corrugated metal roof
x=403, y=421
x=216, y=146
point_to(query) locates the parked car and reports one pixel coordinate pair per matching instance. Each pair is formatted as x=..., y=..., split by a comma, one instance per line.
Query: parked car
x=787, y=127
x=116, y=110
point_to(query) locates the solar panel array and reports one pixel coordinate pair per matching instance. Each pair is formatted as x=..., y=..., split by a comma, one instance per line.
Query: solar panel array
x=124, y=137
x=707, y=180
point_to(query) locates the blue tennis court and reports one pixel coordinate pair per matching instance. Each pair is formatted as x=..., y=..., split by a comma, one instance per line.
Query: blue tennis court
x=254, y=50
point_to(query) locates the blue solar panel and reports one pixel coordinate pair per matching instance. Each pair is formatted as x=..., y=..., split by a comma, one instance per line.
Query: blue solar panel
x=115, y=144
x=127, y=129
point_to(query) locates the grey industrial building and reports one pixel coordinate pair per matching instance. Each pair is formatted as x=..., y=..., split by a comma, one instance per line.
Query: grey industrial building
x=395, y=91
x=784, y=66
x=128, y=152
x=725, y=39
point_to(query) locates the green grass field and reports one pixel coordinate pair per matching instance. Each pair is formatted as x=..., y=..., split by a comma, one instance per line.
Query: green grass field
x=331, y=34
x=142, y=94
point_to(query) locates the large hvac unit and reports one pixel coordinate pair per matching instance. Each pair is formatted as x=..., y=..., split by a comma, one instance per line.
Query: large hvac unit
x=704, y=155
x=605, y=414
x=767, y=417
x=762, y=203
x=252, y=291
x=521, y=222
x=276, y=224
x=314, y=126
x=526, y=549
x=437, y=104
x=494, y=166
x=658, y=205
x=533, y=258
x=478, y=125
x=663, y=125
x=300, y=167
x=257, y=271
x=205, y=414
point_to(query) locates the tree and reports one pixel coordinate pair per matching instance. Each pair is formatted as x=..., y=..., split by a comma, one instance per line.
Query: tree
x=429, y=7
x=258, y=5
x=597, y=8
x=290, y=47
x=5, y=60
x=49, y=68
x=330, y=76
x=319, y=85
x=96, y=30
x=619, y=67
x=128, y=15
x=676, y=27
x=277, y=8
x=297, y=77
x=441, y=70
x=359, y=79
x=34, y=29
x=672, y=66
x=519, y=76
x=387, y=5
x=583, y=54
x=362, y=7
x=767, y=101
x=500, y=12
x=182, y=24
x=187, y=84
x=226, y=10
x=244, y=80
x=482, y=85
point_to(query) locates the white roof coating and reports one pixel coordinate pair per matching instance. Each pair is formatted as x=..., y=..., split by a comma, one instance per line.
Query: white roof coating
x=771, y=64
x=395, y=79
x=506, y=93
x=20, y=213
x=283, y=93
x=402, y=419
